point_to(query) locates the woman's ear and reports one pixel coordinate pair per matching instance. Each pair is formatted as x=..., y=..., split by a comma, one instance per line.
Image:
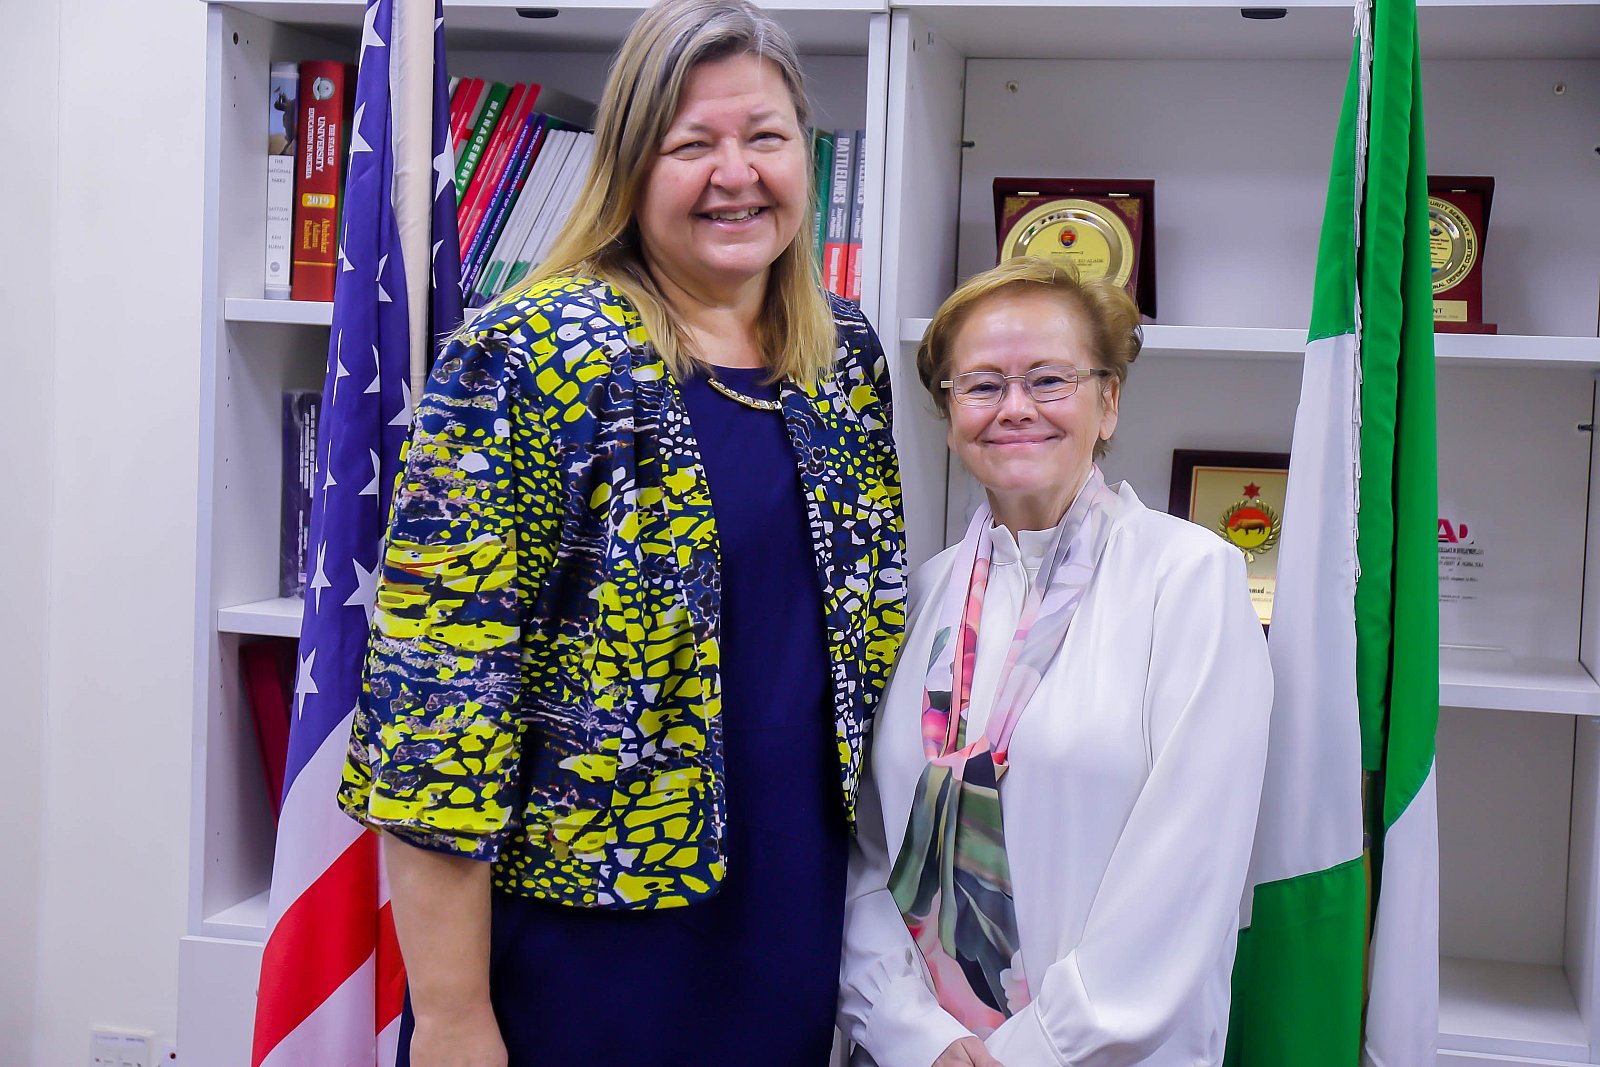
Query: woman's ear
x=1109, y=398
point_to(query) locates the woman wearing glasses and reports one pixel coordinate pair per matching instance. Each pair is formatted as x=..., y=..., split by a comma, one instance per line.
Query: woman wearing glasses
x=1068, y=760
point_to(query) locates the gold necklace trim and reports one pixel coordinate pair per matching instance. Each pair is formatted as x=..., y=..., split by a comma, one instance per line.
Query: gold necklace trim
x=748, y=401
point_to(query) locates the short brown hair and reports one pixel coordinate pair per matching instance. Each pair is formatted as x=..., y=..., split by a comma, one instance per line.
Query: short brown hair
x=1109, y=313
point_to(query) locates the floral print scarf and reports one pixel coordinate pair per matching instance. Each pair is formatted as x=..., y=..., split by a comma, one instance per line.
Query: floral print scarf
x=952, y=880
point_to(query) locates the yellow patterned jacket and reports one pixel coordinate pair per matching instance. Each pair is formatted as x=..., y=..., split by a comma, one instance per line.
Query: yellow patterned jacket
x=542, y=684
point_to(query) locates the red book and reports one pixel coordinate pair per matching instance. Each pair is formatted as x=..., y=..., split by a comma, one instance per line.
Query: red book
x=268, y=669
x=463, y=110
x=325, y=90
x=481, y=187
x=458, y=99
x=501, y=158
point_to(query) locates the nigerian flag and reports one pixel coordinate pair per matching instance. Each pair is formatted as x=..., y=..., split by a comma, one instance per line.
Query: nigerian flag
x=1338, y=962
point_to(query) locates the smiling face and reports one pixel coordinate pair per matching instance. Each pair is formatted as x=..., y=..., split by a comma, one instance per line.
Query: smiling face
x=1030, y=458
x=727, y=192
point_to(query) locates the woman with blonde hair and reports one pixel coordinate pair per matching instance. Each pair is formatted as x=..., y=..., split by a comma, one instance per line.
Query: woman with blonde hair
x=1067, y=763
x=641, y=592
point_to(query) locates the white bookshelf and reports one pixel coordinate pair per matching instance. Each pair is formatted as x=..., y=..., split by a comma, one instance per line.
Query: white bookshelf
x=288, y=312
x=276, y=617
x=252, y=349
x=243, y=921
x=1234, y=120
x=1519, y=1009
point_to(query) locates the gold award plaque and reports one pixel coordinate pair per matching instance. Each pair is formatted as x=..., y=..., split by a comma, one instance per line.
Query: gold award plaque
x=1092, y=236
x=1452, y=244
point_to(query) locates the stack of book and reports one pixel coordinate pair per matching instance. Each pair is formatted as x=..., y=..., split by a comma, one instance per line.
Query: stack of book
x=841, y=193
x=521, y=153
x=308, y=122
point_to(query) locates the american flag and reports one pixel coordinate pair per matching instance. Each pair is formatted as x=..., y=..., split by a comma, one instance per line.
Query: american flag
x=332, y=983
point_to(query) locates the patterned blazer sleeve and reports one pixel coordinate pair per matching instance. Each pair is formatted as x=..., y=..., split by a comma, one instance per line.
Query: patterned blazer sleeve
x=436, y=746
x=878, y=370
x=864, y=357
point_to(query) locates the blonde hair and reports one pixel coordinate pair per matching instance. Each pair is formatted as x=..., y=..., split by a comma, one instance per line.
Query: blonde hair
x=600, y=238
x=1109, y=313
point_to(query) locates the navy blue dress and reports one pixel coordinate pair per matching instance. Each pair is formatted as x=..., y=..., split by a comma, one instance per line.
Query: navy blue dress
x=750, y=976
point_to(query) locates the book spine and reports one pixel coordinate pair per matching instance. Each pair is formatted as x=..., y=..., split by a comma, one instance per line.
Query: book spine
x=462, y=118
x=301, y=411
x=858, y=207
x=319, y=166
x=283, y=116
x=494, y=101
x=267, y=675
x=822, y=154
x=835, y=250
x=502, y=271
x=565, y=193
x=458, y=101
x=470, y=213
x=505, y=197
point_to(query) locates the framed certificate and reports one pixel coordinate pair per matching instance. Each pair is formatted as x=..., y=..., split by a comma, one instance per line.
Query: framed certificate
x=1239, y=497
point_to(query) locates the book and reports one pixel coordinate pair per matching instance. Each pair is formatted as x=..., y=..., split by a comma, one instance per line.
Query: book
x=858, y=204
x=494, y=102
x=498, y=275
x=267, y=671
x=511, y=185
x=301, y=408
x=470, y=212
x=822, y=153
x=840, y=194
x=325, y=96
x=465, y=104
x=283, y=117
x=564, y=188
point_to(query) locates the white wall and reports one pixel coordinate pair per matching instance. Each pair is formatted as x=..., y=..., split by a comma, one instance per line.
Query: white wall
x=116, y=302
x=28, y=70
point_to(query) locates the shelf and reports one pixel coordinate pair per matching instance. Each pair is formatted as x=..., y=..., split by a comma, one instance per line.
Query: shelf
x=278, y=617
x=1244, y=342
x=1515, y=1009
x=244, y=921
x=1488, y=349
x=291, y=312
x=1495, y=680
x=1222, y=342
x=1213, y=29
x=819, y=27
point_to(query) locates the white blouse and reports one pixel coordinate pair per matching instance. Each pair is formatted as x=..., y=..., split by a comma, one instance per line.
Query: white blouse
x=1130, y=808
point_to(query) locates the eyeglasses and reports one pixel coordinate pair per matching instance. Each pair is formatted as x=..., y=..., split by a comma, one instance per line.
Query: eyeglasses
x=986, y=388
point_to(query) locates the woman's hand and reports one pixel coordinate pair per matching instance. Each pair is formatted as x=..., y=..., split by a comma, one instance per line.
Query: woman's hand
x=966, y=1052
x=468, y=1038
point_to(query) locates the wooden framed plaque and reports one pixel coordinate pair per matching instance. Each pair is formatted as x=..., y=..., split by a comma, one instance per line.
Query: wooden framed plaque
x=1104, y=228
x=1458, y=224
x=1239, y=497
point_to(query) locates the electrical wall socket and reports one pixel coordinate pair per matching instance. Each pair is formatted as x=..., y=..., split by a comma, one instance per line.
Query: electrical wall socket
x=114, y=1046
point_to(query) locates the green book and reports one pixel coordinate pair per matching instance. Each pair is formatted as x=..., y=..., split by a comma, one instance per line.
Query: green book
x=822, y=152
x=494, y=102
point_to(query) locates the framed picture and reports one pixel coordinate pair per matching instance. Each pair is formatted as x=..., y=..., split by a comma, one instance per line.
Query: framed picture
x=1239, y=497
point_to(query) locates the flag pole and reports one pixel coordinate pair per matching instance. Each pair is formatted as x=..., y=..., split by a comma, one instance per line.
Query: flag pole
x=411, y=77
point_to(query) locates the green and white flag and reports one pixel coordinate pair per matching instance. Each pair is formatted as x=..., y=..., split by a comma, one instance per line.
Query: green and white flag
x=1338, y=962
